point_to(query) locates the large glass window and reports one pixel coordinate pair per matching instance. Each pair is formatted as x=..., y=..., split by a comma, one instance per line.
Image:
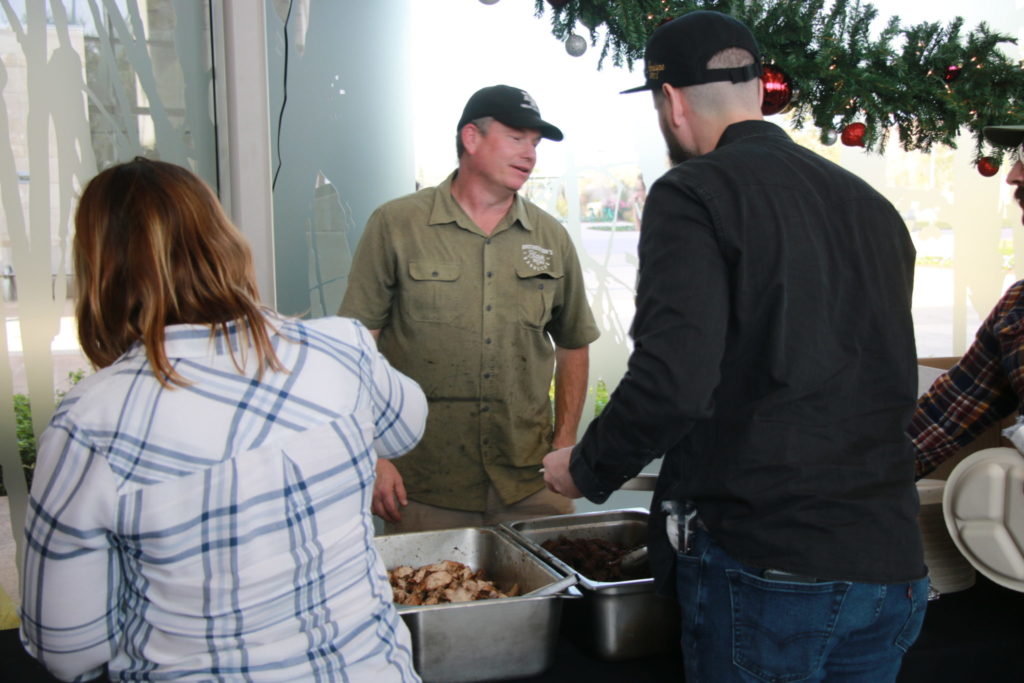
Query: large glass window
x=966, y=227
x=341, y=131
x=364, y=98
x=83, y=84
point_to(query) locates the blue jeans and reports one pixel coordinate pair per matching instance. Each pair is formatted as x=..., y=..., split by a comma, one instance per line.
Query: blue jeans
x=739, y=625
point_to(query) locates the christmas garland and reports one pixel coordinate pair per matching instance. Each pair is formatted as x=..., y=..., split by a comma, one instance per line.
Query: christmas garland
x=924, y=82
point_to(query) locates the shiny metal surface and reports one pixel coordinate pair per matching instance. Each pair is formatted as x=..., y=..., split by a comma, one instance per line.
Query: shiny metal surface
x=485, y=639
x=635, y=561
x=552, y=588
x=615, y=620
x=627, y=526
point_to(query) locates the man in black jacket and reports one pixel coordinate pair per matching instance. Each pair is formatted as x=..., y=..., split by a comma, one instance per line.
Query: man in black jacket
x=774, y=368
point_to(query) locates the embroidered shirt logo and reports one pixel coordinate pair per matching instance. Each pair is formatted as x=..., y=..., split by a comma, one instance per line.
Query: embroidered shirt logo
x=529, y=103
x=537, y=258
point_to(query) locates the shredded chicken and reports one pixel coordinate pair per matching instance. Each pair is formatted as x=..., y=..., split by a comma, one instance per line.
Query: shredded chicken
x=445, y=581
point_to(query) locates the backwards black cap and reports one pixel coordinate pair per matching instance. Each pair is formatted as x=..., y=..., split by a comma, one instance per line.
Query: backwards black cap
x=511, y=106
x=1004, y=136
x=678, y=51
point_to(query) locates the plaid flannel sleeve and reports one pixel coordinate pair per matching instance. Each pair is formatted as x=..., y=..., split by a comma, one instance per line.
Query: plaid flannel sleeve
x=973, y=394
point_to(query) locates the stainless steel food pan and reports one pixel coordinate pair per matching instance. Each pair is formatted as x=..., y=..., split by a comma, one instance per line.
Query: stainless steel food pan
x=616, y=620
x=482, y=640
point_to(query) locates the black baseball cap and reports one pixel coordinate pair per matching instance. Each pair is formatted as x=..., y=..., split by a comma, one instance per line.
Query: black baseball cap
x=1004, y=136
x=678, y=51
x=511, y=106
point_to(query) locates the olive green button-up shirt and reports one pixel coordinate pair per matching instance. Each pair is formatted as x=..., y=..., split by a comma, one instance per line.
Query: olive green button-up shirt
x=472, y=318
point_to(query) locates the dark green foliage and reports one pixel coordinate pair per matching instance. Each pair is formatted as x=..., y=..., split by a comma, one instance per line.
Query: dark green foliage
x=26, y=438
x=23, y=429
x=927, y=82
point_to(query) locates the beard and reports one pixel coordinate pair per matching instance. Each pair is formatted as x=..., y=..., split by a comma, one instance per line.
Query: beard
x=676, y=153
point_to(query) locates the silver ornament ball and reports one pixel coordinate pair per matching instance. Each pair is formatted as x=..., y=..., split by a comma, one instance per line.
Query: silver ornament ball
x=488, y=2
x=829, y=137
x=575, y=45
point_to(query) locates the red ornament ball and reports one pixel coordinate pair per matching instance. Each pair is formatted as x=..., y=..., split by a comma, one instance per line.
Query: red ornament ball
x=778, y=91
x=988, y=166
x=951, y=73
x=853, y=135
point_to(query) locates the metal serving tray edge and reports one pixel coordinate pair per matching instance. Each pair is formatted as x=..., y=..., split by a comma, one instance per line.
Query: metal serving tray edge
x=486, y=639
x=615, y=621
x=575, y=525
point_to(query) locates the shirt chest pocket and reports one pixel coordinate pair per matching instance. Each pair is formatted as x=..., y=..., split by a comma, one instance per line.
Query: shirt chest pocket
x=432, y=294
x=538, y=294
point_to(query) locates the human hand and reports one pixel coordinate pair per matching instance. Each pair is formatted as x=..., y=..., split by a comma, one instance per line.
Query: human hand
x=388, y=493
x=556, y=473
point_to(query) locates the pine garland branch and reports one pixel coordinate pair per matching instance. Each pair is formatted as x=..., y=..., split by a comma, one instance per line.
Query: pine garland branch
x=925, y=83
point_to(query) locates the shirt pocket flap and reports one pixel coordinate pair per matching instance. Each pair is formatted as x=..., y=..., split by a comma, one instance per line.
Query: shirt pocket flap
x=553, y=271
x=427, y=271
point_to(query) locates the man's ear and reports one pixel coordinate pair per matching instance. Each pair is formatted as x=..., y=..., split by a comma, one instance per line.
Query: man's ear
x=678, y=105
x=470, y=136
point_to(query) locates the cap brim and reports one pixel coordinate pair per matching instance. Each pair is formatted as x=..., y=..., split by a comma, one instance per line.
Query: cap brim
x=639, y=88
x=546, y=129
x=551, y=132
x=1004, y=136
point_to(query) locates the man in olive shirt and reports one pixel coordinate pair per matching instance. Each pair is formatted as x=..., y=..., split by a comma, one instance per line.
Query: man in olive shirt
x=478, y=295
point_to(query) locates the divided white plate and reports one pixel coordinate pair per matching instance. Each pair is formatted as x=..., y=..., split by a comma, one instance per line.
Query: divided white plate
x=983, y=506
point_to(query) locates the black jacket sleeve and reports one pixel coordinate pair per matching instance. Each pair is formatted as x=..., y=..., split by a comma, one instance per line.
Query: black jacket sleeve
x=679, y=331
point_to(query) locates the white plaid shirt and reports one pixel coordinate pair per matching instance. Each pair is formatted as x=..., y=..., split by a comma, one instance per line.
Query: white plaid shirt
x=221, y=531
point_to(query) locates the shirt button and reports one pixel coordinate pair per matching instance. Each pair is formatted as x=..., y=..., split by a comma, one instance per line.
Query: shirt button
x=434, y=274
x=487, y=241
x=487, y=341
x=487, y=375
x=541, y=286
x=488, y=307
x=485, y=409
x=489, y=274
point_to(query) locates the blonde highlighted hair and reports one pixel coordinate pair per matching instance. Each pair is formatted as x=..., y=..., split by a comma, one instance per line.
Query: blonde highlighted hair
x=154, y=248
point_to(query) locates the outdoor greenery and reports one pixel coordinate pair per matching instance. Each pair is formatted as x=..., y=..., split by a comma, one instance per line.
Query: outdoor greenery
x=601, y=398
x=600, y=391
x=26, y=435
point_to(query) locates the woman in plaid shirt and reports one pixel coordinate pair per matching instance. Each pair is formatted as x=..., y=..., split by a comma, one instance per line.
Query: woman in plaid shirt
x=200, y=509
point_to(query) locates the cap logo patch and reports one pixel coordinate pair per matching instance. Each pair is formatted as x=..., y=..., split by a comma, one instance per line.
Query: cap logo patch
x=654, y=71
x=528, y=103
x=536, y=257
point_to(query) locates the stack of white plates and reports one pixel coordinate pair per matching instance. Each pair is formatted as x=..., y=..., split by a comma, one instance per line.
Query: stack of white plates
x=983, y=506
x=948, y=570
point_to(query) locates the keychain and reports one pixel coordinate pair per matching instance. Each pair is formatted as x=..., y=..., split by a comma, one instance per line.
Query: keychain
x=680, y=521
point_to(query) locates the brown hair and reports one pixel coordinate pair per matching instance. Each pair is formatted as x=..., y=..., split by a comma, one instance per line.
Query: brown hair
x=154, y=248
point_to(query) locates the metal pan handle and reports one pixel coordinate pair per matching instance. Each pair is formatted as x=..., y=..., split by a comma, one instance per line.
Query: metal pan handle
x=552, y=588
